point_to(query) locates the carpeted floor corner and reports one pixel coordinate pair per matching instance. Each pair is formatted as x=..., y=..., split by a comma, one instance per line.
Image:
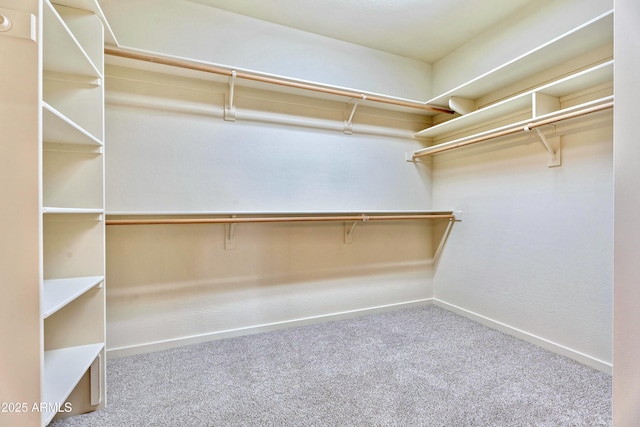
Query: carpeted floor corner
x=421, y=366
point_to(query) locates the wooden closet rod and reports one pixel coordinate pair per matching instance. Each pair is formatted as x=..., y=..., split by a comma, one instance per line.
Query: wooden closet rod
x=445, y=146
x=234, y=220
x=199, y=66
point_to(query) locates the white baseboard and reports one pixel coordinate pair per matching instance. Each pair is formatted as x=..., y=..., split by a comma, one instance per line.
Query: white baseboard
x=149, y=347
x=268, y=327
x=526, y=336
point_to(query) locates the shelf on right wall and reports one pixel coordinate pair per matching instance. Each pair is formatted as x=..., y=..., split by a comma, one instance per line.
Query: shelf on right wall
x=586, y=48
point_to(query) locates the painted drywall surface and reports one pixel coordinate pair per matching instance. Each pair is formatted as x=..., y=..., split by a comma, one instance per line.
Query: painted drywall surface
x=201, y=32
x=179, y=164
x=178, y=283
x=536, y=24
x=626, y=376
x=172, y=284
x=20, y=225
x=164, y=159
x=534, y=251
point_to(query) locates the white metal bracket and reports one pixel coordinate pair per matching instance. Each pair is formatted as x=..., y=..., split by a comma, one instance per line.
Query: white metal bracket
x=230, y=109
x=16, y=23
x=457, y=216
x=230, y=235
x=349, y=229
x=553, y=147
x=348, y=124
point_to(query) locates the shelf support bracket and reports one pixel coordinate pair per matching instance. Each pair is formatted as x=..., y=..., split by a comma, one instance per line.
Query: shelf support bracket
x=230, y=235
x=553, y=157
x=348, y=230
x=348, y=124
x=230, y=109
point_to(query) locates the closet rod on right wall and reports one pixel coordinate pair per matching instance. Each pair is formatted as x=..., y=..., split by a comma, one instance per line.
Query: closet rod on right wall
x=445, y=146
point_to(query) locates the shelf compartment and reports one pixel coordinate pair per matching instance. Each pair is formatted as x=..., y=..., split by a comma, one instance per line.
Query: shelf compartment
x=62, y=52
x=72, y=180
x=59, y=128
x=79, y=103
x=57, y=293
x=591, y=77
x=527, y=101
x=93, y=7
x=63, y=369
x=87, y=28
x=479, y=117
x=73, y=244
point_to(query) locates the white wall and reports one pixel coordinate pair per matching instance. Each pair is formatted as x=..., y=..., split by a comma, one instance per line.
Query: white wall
x=196, y=31
x=533, y=254
x=176, y=284
x=170, y=150
x=626, y=376
x=20, y=221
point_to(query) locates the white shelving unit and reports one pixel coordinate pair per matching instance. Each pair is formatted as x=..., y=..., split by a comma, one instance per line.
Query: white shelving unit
x=72, y=293
x=587, y=86
x=55, y=137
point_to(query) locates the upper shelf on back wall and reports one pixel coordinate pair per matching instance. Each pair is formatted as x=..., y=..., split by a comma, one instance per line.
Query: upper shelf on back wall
x=585, y=38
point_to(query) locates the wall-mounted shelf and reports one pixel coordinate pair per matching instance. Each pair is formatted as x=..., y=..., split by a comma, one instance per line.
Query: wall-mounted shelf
x=230, y=221
x=281, y=217
x=64, y=210
x=57, y=293
x=523, y=126
x=180, y=65
x=541, y=101
x=581, y=40
x=509, y=106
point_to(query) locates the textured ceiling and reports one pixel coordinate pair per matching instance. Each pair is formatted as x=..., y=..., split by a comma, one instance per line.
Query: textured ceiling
x=422, y=29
